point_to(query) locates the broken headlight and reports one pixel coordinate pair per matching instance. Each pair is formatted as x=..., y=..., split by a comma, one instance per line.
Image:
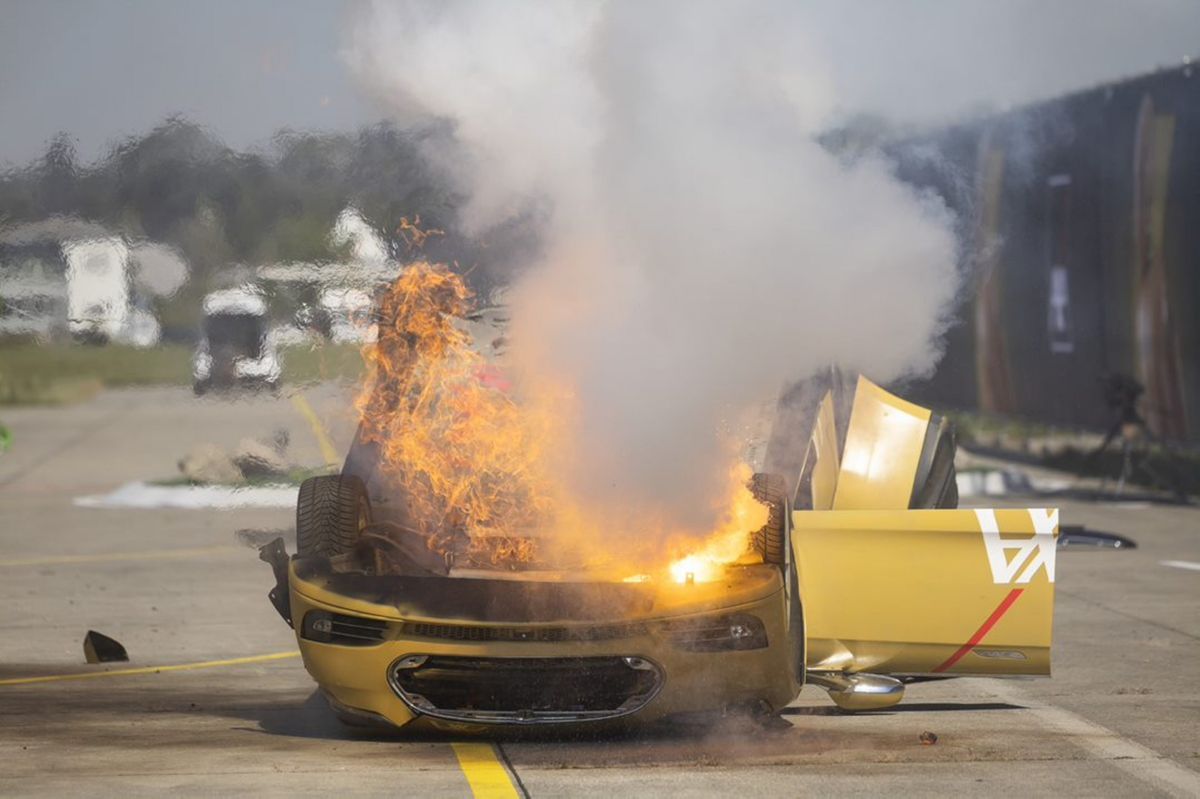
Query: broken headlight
x=732, y=632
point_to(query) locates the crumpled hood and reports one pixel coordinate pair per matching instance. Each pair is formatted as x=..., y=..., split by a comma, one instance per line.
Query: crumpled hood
x=525, y=601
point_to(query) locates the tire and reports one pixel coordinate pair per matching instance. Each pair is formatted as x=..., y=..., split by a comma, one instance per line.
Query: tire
x=330, y=512
x=771, y=539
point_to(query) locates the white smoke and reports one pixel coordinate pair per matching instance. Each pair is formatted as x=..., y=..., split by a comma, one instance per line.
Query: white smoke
x=702, y=249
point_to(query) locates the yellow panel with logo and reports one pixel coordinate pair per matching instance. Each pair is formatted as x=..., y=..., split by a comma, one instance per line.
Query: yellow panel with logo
x=891, y=590
x=927, y=591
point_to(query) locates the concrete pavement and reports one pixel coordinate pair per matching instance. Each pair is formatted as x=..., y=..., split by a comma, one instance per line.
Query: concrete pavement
x=1119, y=716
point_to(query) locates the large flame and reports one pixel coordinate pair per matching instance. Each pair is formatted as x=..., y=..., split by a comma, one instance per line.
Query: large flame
x=463, y=451
x=470, y=457
x=730, y=542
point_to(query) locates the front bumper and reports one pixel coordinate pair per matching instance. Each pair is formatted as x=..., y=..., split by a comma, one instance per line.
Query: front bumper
x=431, y=670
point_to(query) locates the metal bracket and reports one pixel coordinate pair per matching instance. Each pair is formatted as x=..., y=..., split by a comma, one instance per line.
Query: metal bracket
x=275, y=553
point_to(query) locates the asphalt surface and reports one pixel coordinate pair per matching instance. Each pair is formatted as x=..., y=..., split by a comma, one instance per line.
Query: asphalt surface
x=178, y=587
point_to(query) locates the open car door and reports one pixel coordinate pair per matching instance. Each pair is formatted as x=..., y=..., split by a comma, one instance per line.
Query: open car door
x=894, y=578
x=917, y=592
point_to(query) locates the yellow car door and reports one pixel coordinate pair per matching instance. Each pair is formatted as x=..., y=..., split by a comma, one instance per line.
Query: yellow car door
x=926, y=592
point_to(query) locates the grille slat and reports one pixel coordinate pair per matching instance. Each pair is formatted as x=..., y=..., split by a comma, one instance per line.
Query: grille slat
x=525, y=690
x=465, y=632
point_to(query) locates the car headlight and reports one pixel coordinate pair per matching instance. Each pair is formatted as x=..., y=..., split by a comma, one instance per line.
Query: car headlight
x=338, y=628
x=728, y=633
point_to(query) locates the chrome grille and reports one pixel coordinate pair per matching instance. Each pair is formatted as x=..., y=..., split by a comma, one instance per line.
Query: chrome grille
x=531, y=633
x=525, y=690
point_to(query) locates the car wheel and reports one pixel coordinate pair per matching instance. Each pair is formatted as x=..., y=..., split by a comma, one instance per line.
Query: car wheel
x=771, y=539
x=330, y=512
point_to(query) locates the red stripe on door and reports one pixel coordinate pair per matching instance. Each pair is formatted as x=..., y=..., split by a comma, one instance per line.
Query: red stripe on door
x=983, y=630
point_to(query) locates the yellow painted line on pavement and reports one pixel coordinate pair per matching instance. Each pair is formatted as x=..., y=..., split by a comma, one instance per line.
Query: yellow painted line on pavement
x=204, y=664
x=488, y=777
x=328, y=451
x=107, y=557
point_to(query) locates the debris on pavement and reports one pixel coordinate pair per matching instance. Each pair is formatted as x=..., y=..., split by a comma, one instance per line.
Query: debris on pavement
x=208, y=464
x=252, y=459
x=256, y=538
x=1077, y=535
x=928, y=738
x=99, y=648
x=257, y=458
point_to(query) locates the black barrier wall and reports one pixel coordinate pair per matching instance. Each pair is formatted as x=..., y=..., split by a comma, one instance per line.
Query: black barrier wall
x=1082, y=222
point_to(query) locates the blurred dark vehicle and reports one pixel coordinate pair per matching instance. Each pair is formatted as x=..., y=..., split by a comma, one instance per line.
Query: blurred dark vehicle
x=236, y=346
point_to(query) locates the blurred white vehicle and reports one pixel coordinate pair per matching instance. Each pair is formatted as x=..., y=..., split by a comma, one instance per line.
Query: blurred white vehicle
x=70, y=277
x=236, y=346
x=98, y=296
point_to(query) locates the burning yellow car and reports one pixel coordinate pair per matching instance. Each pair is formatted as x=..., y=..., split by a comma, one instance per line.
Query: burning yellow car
x=865, y=576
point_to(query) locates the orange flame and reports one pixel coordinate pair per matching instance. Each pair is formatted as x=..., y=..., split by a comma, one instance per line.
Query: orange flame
x=463, y=452
x=731, y=541
x=470, y=458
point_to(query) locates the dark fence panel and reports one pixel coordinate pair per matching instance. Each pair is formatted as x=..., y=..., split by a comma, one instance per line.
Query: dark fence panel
x=1082, y=217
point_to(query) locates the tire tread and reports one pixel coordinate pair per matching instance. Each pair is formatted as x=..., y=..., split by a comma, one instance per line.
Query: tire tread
x=327, y=514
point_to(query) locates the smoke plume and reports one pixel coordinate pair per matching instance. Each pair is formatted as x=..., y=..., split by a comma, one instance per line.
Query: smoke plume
x=701, y=247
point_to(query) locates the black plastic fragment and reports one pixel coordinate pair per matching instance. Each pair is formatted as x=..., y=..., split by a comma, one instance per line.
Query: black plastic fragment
x=1078, y=536
x=275, y=553
x=98, y=648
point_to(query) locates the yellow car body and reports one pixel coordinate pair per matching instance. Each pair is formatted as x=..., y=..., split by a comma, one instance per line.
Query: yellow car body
x=885, y=592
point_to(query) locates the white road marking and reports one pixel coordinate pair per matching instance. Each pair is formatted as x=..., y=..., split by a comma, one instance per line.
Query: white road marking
x=144, y=495
x=1133, y=758
x=151, y=554
x=1181, y=564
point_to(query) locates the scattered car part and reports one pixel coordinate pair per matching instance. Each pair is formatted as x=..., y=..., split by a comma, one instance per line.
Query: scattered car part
x=1076, y=535
x=276, y=554
x=99, y=648
x=208, y=464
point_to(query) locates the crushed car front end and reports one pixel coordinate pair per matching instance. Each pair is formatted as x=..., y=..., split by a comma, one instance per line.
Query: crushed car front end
x=475, y=652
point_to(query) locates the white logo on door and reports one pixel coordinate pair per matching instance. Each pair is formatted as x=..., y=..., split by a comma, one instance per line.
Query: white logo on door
x=1032, y=553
